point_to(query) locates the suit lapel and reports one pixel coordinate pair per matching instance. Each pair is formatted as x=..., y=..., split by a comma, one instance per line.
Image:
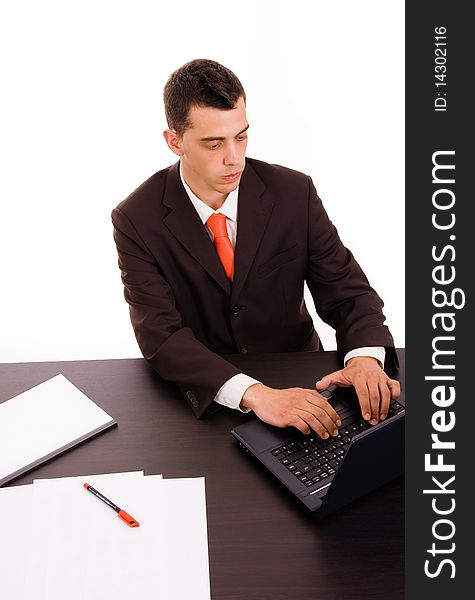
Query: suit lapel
x=184, y=223
x=254, y=210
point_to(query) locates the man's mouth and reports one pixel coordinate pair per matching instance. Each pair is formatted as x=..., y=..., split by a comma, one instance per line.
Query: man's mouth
x=232, y=176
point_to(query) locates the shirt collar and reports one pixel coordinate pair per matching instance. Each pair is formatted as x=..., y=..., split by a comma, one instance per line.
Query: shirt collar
x=229, y=207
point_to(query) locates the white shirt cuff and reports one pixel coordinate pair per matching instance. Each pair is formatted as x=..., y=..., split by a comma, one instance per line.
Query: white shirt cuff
x=377, y=352
x=231, y=392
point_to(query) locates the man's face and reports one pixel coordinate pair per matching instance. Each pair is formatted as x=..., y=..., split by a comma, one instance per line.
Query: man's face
x=212, y=150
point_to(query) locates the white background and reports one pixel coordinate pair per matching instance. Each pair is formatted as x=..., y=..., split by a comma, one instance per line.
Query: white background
x=81, y=121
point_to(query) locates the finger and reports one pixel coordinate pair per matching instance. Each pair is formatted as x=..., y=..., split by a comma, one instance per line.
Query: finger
x=374, y=398
x=314, y=423
x=395, y=388
x=362, y=392
x=334, y=378
x=385, y=396
x=300, y=424
x=320, y=413
x=324, y=382
x=318, y=401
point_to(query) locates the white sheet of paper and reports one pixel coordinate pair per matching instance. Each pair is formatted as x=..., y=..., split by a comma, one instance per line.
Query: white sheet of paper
x=18, y=512
x=124, y=476
x=81, y=550
x=185, y=565
x=20, y=515
x=42, y=422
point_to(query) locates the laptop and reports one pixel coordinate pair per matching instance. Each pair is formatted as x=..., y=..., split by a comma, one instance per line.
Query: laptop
x=325, y=475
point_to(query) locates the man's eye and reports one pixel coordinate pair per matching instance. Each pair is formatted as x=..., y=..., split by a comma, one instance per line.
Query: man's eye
x=214, y=147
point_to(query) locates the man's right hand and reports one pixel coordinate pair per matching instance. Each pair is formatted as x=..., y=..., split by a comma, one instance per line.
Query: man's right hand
x=304, y=409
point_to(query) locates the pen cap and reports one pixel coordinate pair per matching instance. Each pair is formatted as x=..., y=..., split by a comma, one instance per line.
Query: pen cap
x=131, y=522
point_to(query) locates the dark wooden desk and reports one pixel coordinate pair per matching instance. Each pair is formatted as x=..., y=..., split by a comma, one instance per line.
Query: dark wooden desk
x=261, y=545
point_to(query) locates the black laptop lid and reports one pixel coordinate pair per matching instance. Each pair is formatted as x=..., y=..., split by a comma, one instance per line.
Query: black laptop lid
x=373, y=458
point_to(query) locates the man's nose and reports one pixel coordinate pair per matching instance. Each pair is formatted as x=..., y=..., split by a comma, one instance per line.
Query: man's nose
x=231, y=156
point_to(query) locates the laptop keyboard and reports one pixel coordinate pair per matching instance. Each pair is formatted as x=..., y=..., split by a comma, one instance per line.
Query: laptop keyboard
x=311, y=459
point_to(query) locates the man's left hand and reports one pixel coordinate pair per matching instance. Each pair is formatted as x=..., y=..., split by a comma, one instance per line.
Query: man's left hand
x=375, y=390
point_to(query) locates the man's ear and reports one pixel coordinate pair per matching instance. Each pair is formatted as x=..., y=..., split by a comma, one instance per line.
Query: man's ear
x=173, y=141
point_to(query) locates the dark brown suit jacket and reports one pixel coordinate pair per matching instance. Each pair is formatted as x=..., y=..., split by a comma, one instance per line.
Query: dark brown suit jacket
x=186, y=313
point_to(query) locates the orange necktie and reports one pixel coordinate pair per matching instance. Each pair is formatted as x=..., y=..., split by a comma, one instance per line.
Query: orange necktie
x=222, y=243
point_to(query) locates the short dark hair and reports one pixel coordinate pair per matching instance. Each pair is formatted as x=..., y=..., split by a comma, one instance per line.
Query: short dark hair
x=200, y=82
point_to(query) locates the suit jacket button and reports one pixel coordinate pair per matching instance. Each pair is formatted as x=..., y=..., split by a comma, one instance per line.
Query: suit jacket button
x=236, y=309
x=192, y=398
x=243, y=350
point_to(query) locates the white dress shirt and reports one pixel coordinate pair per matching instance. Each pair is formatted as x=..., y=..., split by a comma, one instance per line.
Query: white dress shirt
x=231, y=392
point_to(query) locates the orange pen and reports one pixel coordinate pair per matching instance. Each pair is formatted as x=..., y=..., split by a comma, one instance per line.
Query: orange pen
x=131, y=522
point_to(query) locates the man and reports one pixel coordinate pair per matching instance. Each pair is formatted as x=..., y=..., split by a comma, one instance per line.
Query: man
x=214, y=252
